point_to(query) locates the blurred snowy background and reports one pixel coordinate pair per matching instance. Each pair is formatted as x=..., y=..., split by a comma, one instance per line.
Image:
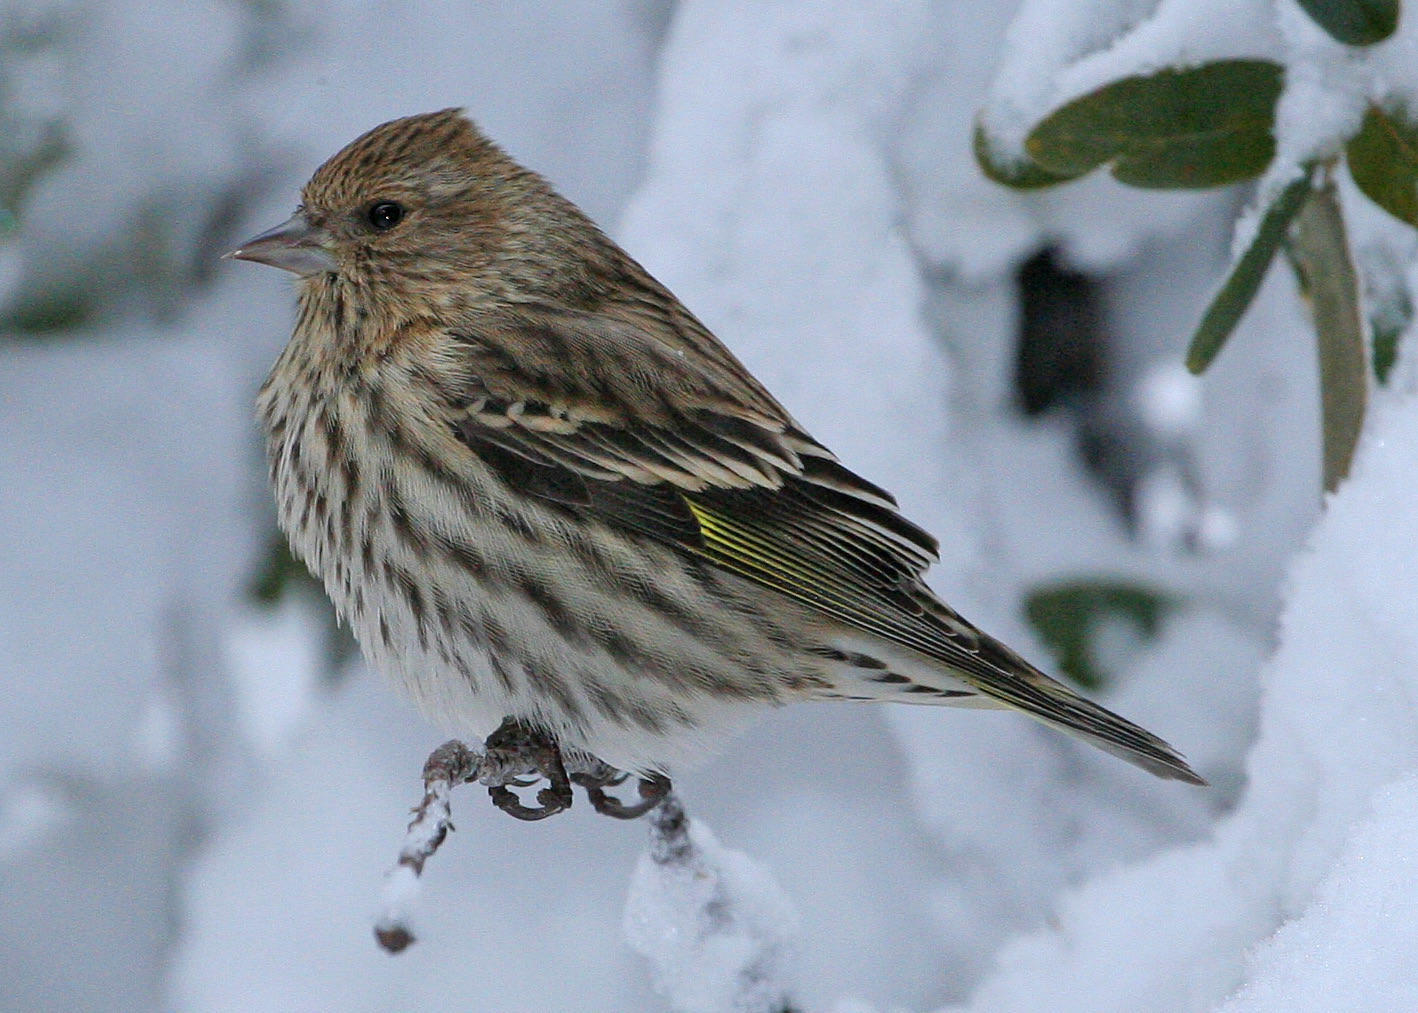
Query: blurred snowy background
x=199, y=791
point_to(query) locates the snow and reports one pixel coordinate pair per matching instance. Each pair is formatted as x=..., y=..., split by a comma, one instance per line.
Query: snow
x=299, y=870
x=275, y=671
x=1313, y=962
x=1337, y=725
x=187, y=797
x=30, y=813
x=714, y=924
x=1169, y=400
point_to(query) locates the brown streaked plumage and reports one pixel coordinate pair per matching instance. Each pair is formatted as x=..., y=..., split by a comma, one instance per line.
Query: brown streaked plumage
x=538, y=487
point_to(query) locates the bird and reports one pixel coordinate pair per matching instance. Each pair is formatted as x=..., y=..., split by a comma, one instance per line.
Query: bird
x=550, y=502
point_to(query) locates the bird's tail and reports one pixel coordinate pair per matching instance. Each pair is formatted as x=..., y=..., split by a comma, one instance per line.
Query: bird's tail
x=990, y=674
x=1018, y=684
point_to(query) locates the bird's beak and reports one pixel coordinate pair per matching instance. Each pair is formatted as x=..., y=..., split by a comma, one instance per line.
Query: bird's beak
x=294, y=245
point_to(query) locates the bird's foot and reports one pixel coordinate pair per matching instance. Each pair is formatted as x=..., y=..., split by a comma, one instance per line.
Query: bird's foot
x=520, y=755
x=515, y=750
x=652, y=791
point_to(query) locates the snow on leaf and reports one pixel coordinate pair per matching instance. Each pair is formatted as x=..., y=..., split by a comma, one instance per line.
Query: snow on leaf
x=1200, y=127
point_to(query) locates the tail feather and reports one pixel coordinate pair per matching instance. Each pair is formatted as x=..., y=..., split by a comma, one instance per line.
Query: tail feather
x=1012, y=681
x=1056, y=705
x=990, y=674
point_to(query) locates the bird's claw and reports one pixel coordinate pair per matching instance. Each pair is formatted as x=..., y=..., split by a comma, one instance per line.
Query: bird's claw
x=518, y=755
x=517, y=750
x=652, y=790
x=551, y=801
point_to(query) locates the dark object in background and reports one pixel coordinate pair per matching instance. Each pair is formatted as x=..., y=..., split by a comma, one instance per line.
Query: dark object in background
x=1062, y=365
x=1062, y=342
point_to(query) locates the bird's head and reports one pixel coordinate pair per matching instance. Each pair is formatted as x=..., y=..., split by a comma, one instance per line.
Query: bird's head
x=427, y=214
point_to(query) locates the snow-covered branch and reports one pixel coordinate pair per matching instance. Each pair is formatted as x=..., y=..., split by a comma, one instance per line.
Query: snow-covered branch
x=451, y=764
x=714, y=924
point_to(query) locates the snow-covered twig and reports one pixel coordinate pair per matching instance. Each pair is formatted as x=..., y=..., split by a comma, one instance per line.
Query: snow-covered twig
x=451, y=764
x=448, y=766
x=713, y=923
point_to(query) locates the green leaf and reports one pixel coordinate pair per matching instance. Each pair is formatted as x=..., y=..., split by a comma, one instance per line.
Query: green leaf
x=278, y=570
x=1354, y=22
x=1239, y=288
x=1321, y=253
x=1201, y=127
x=1019, y=175
x=1383, y=159
x=50, y=313
x=1067, y=616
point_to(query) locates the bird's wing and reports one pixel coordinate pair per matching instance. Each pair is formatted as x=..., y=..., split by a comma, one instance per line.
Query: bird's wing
x=585, y=413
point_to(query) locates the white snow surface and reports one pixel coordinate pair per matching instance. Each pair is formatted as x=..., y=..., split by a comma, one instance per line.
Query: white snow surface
x=715, y=925
x=193, y=817
x=1331, y=957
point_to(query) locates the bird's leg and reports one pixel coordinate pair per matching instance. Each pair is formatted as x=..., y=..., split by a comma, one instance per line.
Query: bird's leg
x=652, y=791
x=515, y=749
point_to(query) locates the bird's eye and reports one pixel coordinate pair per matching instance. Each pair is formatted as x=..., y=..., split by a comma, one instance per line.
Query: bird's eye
x=384, y=215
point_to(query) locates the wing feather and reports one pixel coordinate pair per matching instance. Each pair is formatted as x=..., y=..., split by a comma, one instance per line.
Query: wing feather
x=716, y=469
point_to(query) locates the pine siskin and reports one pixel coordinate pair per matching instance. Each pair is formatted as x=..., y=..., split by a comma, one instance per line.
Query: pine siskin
x=538, y=488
